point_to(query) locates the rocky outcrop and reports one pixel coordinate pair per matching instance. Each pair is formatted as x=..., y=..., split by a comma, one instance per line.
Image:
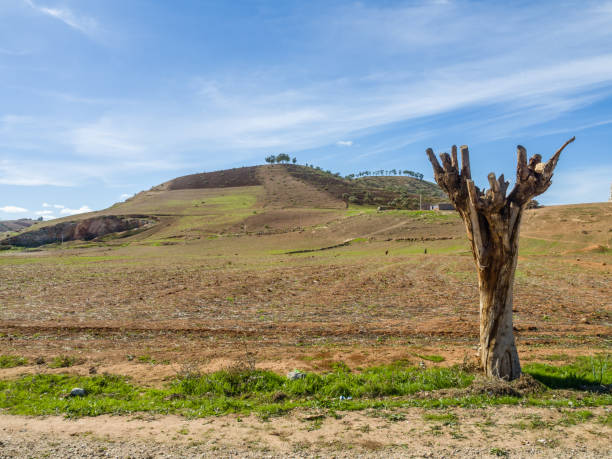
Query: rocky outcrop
x=83, y=230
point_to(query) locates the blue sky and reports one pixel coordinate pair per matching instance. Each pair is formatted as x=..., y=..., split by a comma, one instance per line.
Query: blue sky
x=102, y=99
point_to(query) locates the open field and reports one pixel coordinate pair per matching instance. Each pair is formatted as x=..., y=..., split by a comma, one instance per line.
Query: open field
x=242, y=275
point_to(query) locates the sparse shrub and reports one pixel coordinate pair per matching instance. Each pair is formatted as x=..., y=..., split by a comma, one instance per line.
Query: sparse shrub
x=64, y=361
x=11, y=361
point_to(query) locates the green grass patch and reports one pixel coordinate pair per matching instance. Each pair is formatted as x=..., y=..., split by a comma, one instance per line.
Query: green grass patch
x=64, y=260
x=227, y=391
x=444, y=418
x=571, y=418
x=431, y=358
x=64, y=361
x=266, y=393
x=582, y=373
x=499, y=452
x=606, y=419
x=148, y=359
x=12, y=361
x=556, y=357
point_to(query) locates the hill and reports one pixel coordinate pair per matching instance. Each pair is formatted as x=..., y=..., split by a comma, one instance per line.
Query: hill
x=15, y=225
x=298, y=201
x=248, y=199
x=396, y=192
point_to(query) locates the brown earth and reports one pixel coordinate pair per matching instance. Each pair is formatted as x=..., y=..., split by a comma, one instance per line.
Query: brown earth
x=242, y=176
x=374, y=300
x=505, y=431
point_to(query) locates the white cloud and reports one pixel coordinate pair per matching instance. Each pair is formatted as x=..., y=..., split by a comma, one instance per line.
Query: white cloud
x=81, y=210
x=83, y=24
x=58, y=206
x=125, y=196
x=107, y=138
x=46, y=204
x=344, y=143
x=13, y=209
x=44, y=212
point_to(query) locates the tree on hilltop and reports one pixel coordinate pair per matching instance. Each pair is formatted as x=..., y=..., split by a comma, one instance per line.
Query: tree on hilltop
x=492, y=221
x=271, y=159
x=283, y=158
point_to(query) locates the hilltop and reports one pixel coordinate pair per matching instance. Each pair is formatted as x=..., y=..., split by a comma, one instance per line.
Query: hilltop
x=396, y=192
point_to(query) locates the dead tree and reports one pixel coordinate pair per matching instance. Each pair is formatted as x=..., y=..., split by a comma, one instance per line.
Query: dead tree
x=492, y=221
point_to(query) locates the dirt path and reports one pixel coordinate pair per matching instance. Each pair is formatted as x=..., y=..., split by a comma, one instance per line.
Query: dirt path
x=506, y=431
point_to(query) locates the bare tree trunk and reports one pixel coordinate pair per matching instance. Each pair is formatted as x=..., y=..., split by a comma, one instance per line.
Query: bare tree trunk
x=492, y=222
x=498, y=353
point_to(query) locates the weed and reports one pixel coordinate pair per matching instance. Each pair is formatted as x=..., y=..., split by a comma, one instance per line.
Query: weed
x=431, y=358
x=571, y=418
x=396, y=417
x=556, y=357
x=64, y=361
x=499, y=452
x=606, y=419
x=11, y=361
x=444, y=418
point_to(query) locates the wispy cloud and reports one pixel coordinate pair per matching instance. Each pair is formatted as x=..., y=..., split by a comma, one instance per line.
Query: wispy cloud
x=43, y=213
x=80, y=210
x=84, y=24
x=26, y=172
x=13, y=209
x=421, y=66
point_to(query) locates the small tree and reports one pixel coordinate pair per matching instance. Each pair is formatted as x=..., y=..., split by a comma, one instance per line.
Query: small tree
x=294, y=160
x=492, y=221
x=271, y=159
x=283, y=158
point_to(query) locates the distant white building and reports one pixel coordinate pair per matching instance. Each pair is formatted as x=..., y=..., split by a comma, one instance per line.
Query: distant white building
x=442, y=206
x=610, y=193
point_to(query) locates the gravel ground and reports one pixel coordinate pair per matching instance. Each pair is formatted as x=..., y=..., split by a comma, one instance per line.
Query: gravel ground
x=24, y=447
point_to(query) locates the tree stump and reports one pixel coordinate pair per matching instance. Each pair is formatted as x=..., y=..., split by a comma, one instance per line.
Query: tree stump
x=492, y=221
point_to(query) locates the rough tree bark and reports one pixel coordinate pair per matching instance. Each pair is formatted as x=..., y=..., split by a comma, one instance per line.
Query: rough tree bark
x=492, y=221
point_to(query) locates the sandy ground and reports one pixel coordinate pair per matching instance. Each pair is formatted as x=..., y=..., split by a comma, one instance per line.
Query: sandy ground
x=505, y=431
